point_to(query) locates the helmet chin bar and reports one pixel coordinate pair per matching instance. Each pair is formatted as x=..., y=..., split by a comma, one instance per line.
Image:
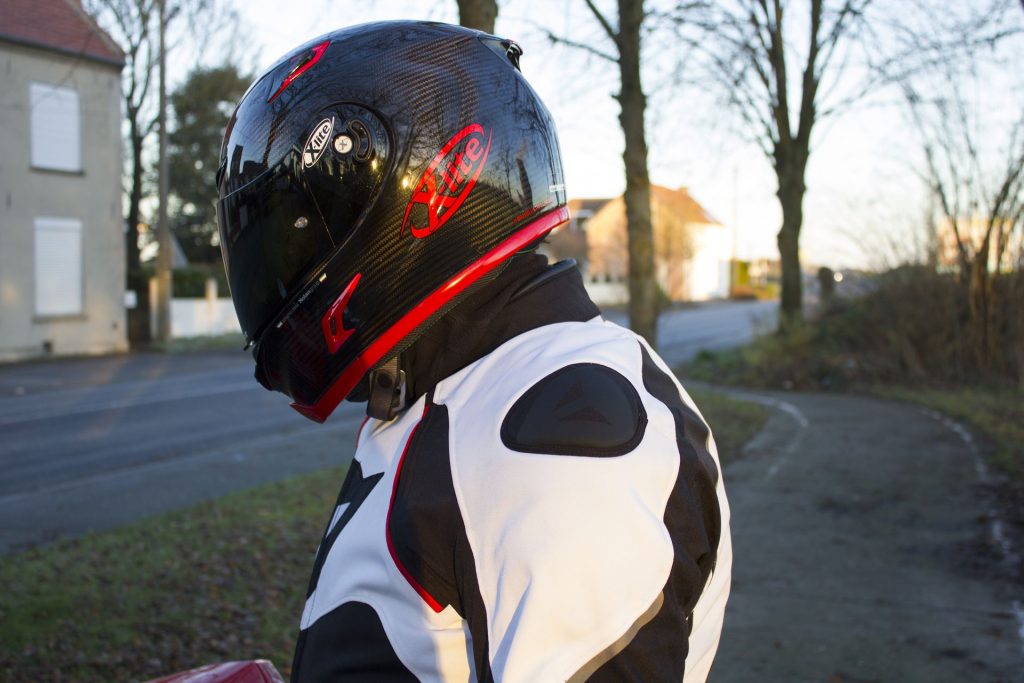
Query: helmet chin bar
x=387, y=391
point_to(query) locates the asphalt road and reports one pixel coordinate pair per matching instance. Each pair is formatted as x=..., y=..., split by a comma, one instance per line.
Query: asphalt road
x=866, y=551
x=685, y=332
x=88, y=444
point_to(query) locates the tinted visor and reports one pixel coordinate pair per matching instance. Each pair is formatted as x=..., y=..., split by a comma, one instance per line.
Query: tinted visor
x=272, y=237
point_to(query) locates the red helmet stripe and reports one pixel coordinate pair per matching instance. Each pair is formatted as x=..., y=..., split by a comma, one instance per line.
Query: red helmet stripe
x=319, y=411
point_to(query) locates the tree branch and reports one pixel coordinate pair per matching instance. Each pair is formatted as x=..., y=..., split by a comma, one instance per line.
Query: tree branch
x=586, y=47
x=604, y=22
x=777, y=58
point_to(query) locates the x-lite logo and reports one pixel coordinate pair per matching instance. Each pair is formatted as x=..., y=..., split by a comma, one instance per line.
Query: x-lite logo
x=448, y=180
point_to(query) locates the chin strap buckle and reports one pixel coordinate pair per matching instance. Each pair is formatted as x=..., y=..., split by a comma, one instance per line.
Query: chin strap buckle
x=387, y=391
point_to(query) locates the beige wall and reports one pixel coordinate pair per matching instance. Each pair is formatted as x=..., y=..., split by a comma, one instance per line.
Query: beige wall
x=92, y=196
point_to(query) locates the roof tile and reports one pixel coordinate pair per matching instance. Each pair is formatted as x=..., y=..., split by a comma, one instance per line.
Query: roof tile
x=60, y=25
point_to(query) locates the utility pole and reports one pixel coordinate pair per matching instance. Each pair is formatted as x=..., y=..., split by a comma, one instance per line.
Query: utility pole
x=734, y=259
x=735, y=211
x=163, y=261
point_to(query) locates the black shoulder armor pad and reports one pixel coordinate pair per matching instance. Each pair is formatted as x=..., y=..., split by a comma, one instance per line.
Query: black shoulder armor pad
x=583, y=409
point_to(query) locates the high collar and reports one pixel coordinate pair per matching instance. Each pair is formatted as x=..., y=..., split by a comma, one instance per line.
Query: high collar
x=527, y=294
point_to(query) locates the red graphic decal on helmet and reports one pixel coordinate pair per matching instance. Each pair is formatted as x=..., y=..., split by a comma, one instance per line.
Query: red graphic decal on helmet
x=448, y=180
x=306, y=61
x=333, y=323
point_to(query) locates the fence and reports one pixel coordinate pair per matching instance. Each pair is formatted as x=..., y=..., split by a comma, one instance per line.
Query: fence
x=209, y=316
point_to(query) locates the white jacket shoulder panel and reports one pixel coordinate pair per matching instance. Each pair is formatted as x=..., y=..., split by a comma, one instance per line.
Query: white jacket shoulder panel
x=570, y=551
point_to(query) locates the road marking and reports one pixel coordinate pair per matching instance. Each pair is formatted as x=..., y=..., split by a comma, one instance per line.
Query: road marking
x=981, y=469
x=787, y=408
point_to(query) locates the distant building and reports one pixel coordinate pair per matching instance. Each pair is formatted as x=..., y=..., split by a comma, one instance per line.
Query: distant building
x=61, y=227
x=1006, y=247
x=570, y=241
x=692, y=249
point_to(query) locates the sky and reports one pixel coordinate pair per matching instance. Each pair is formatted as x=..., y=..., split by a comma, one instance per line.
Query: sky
x=864, y=195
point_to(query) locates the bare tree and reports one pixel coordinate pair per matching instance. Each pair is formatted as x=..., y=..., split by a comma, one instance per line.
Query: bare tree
x=776, y=87
x=785, y=67
x=626, y=40
x=135, y=25
x=478, y=14
x=974, y=167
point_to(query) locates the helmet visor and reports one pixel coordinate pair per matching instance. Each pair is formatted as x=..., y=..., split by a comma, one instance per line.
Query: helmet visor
x=272, y=237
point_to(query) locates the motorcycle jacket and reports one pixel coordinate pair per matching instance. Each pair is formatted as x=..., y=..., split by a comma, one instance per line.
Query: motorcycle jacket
x=549, y=507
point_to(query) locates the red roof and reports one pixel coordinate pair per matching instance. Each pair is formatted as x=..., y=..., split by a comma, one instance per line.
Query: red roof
x=683, y=204
x=59, y=25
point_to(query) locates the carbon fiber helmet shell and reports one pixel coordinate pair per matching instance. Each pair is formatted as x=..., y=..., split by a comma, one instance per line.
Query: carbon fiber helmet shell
x=368, y=180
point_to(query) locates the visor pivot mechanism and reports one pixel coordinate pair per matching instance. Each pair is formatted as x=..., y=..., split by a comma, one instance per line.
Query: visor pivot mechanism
x=387, y=391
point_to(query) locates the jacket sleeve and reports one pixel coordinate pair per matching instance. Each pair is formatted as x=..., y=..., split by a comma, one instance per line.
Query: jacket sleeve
x=591, y=525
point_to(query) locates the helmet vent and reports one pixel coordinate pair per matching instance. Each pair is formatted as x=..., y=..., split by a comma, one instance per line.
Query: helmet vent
x=306, y=61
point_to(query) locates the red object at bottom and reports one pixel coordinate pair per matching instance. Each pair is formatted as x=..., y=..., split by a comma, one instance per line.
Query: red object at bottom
x=252, y=671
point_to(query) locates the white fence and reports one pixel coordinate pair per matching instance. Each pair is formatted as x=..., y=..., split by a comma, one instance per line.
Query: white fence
x=206, y=317
x=203, y=317
x=607, y=293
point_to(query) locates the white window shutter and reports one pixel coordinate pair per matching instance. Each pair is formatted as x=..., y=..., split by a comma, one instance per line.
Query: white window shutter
x=58, y=266
x=56, y=128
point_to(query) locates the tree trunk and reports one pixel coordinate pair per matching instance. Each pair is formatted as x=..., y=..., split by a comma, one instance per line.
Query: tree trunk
x=791, y=198
x=139, y=332
x=643, y=311
x=134, y=199
x=980, y=306
x=164, y=259
x=478, y=14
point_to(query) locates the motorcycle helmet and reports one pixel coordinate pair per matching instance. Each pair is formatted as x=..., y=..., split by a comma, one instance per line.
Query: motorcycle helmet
x=368, y=181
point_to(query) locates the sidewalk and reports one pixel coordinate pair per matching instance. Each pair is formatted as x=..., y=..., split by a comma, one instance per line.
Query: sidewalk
x=864, y=552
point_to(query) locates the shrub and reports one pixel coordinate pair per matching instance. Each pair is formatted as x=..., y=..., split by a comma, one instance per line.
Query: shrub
x=190, y=281
x=913, y=326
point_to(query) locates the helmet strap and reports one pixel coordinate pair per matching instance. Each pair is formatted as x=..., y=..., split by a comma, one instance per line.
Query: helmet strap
x=387, y=390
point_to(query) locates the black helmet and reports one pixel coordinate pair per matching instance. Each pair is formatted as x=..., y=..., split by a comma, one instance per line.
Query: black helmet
x=368, y=180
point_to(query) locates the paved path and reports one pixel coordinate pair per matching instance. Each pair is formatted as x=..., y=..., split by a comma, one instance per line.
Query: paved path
x=865, y=552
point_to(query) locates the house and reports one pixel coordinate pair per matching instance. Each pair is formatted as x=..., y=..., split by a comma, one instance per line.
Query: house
x=570, y=241
x=1004, y=250
x=62, y=252
x=692, y=249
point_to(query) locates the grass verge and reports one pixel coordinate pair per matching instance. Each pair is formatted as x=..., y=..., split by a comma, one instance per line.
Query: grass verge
x=222, y=580
x=219, y=581
x=996, y=413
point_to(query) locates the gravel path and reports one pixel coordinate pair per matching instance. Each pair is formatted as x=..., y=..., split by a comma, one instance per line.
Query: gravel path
x=865, y=551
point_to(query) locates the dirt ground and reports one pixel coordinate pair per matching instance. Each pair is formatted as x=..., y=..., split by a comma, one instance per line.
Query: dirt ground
x=868, y=549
